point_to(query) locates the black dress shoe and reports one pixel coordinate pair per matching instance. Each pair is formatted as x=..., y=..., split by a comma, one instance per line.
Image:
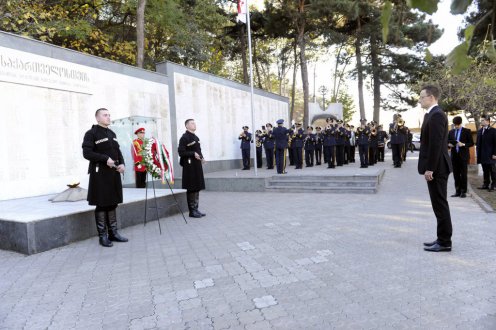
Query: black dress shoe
x=194, y=214
x=201, y=213
x=438, y=248
x=430, y=243
x=456, y=195
x=463, y=195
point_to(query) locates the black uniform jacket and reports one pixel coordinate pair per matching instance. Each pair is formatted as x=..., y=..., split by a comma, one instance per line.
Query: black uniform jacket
x=105, y=186
x=192, y=168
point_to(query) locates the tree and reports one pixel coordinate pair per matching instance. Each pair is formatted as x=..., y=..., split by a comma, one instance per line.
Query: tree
x=140, y=33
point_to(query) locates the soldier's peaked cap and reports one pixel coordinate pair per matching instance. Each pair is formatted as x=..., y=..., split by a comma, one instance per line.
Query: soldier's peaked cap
x=140, y=130
x=280, y=121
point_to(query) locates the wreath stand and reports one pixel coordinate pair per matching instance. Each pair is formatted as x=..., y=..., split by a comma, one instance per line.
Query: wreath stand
x=156, y=207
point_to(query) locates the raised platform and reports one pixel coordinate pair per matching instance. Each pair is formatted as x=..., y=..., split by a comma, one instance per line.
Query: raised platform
x=33, y=225
x=317, y=179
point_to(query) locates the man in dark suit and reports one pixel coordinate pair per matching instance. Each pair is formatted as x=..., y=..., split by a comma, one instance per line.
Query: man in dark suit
x=486, y=153
x=281, y=138
x=435, y=165
x=460, y=140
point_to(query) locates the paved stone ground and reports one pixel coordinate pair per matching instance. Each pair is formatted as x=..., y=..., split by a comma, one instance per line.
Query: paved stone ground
x=270, y=261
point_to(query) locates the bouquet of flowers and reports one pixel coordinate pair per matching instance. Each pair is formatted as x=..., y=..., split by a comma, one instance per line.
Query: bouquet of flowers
x=156, y=160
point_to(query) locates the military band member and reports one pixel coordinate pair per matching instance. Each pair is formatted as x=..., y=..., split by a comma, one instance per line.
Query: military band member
x=298, y=146
x=291, y=136
x=459, y=141
x=362, y=140
x=382, y=137
x=139, y=169
x=258, y=146
x=340, y=139
x=245, y=147
x=192, y=163
x=281, y=134
x=329, y=143
x=373, y=145
x=101, y=148
x=351, y=155
x=268, y=143
x=347, y=144
x=319, y=139
x=309, y=146
x=397, y=139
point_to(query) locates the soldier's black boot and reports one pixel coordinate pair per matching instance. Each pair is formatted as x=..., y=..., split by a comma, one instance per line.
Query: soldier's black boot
x=197, y=202
x=191, y=199
x=101, y=228
x=112, y=226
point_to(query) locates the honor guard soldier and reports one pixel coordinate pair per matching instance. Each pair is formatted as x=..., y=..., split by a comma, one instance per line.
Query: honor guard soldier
x=101, y=148
x=374, y=143
x=340, y=136
x=319, y=140
x=459, y=141
x=258, y=146
x=192, y=163
x=139, y=169
x=268, y=144
x=281, y=142
x=298, y=146
x=309, y=146
x=245, y=138
x=329, y=143
x=352, y=144
x=382, y=137
x=397, y=139
x=362, y=140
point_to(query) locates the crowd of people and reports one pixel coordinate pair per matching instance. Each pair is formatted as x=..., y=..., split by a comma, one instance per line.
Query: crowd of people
x=334, y=145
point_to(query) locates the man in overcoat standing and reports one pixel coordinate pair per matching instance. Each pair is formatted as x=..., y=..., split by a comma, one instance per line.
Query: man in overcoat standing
x=486, y=153
x=192, y=163
x=101, y=148
x=435, y=165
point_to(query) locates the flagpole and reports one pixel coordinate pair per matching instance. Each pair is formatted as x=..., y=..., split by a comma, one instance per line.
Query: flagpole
x=251, y=86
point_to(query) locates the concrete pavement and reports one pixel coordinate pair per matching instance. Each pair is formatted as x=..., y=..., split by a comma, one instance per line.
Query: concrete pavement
x=270, y=261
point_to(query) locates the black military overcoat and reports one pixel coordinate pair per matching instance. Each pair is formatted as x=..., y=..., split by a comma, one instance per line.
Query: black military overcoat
x=192, y=178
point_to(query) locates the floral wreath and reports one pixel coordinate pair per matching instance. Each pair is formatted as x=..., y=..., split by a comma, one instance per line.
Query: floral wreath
x=155, y=158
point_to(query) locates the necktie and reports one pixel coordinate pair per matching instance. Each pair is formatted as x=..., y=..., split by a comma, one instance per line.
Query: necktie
x=458, y=132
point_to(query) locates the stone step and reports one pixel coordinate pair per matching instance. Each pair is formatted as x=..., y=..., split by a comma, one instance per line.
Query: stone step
x=326, y=190
x=319, y=178
x=317, y=184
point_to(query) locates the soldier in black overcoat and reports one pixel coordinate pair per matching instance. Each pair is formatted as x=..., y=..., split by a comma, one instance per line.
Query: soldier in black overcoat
x=192, y=163
x=101, y=148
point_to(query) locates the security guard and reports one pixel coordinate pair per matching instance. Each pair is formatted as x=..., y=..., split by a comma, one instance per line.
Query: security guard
x=245, y=138
x=268, y=143
x=101, y=148
x=139, y=169
x=281, y=140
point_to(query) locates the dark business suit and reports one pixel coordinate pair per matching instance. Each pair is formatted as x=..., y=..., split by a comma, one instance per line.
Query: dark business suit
x=434, y=157
x=486, y=148
x=460, y=156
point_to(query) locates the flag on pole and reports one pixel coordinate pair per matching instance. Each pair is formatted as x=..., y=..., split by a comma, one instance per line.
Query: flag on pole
x=242, y=11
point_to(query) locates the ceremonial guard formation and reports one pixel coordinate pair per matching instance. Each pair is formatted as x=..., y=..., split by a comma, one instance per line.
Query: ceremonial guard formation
x=137, y=148
x=101, y=148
